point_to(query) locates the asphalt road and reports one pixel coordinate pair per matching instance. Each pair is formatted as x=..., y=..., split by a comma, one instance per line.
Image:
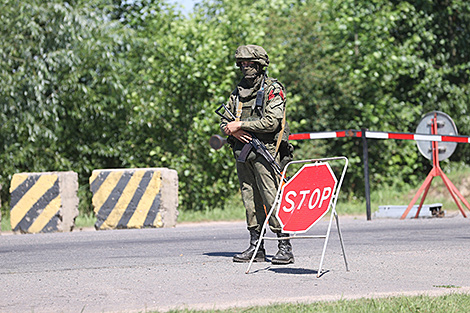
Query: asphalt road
x=190, y=266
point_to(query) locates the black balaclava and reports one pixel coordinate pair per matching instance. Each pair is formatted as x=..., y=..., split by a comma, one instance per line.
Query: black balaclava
x=251, y=82
x=251, y=71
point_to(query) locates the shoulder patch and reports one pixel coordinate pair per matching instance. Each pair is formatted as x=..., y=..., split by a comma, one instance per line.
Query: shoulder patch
x=273, y=94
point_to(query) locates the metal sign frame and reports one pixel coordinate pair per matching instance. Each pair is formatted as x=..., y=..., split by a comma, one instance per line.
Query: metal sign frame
x=293, y=235
x=436, y=171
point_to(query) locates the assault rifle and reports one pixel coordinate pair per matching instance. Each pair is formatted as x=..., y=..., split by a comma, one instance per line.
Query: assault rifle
x=254, y=143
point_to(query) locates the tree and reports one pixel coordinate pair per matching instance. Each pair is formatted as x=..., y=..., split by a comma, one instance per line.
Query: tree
x=376, y=65
x=186, y=69
x=62, y=88
x=119, y=84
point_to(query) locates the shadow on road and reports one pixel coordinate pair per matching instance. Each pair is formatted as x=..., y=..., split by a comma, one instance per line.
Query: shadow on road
x=228, y=254
x=279, y=270
x=294, y=271
x=224, y=254
x=287, y=270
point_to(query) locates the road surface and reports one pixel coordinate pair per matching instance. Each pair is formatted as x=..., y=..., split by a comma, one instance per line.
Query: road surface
x=191, y=266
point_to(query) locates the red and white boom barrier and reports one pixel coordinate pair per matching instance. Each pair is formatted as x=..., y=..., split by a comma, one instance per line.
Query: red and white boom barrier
x=379, y=135
x=434, y=138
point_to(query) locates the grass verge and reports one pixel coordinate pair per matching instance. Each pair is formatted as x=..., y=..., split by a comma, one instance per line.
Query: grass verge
x=387, y=195
x=5, y=224
x=423, y=304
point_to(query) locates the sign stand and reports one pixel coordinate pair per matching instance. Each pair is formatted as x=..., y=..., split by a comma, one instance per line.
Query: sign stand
x=436, y=171
x=316, y=196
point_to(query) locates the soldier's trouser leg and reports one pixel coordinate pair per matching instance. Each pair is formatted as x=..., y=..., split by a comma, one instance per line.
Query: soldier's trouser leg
x=251, y=197
x=258, y=185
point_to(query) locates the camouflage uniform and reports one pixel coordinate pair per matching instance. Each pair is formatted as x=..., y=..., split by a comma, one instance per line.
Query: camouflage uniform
x=258, y=180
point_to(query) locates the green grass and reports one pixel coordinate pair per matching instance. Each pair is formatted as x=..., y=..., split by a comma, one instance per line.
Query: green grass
x=422, y=304
x=5, y=225
x=85, y=220
x=392, y=195
x=233, y=211
x=388, y=195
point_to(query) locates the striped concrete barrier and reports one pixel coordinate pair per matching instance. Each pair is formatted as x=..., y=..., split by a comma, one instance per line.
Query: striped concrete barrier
x=43, y=202
x=134, y=198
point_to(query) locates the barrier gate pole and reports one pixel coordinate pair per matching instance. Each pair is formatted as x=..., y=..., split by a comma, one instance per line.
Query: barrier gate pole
x=365, y=153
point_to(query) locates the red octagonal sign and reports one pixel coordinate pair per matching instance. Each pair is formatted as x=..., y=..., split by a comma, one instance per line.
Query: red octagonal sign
x=306, y=197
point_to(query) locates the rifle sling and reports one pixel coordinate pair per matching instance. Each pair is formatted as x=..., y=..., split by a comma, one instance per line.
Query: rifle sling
x=281, y=134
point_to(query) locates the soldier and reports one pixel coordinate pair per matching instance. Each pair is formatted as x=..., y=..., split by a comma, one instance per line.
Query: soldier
x=258, y=103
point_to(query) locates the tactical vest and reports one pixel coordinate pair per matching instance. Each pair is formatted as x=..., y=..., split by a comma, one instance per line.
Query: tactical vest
x=253, y=110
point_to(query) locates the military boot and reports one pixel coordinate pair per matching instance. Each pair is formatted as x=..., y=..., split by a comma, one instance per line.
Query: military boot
x=284, y=255
x=246, y=255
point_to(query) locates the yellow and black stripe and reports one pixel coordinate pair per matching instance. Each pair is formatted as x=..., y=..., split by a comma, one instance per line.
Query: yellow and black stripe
x=126, y=198
x=35, y=203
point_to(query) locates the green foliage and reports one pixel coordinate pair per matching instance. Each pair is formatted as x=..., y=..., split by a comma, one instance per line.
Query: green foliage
x=376, y=65
x=117, y=84
x=62, y=76
x=184, y=70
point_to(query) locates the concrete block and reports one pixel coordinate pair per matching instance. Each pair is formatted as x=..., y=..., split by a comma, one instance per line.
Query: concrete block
x=43, y=202
x=396, y=211
x=134, y=198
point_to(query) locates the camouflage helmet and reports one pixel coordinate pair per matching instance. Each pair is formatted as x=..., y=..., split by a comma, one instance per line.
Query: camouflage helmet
x=252, y=53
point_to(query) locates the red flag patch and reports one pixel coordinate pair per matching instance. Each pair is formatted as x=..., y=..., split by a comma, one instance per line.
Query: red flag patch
x=271, y=95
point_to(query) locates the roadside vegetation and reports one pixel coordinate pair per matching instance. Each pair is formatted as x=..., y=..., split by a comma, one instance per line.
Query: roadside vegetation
x=99, y=84
x=356, y=206
x=451, y=303
x=388, y=195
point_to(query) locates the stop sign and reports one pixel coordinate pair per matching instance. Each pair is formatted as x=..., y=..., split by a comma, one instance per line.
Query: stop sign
x=306, y=197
